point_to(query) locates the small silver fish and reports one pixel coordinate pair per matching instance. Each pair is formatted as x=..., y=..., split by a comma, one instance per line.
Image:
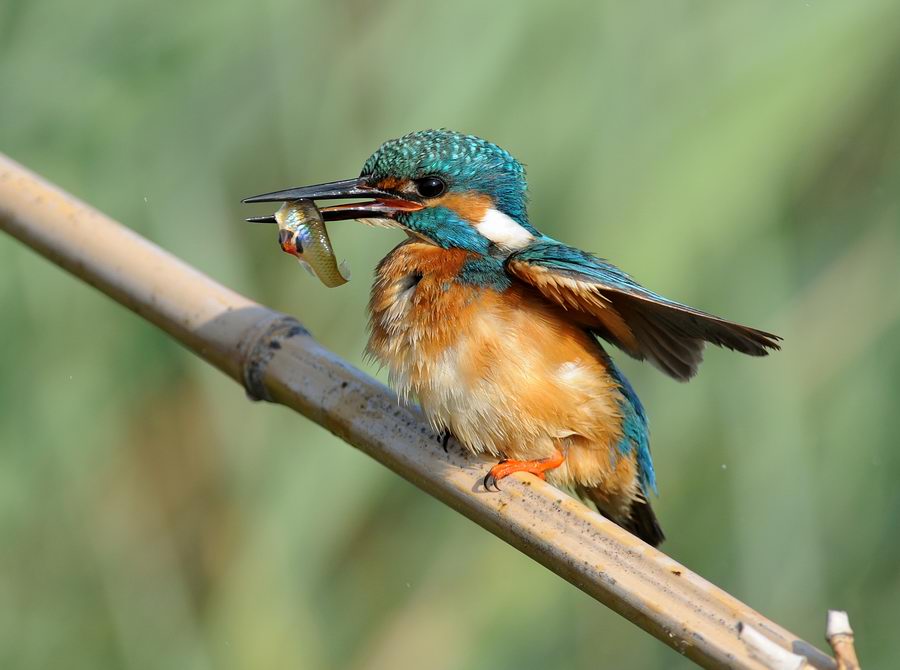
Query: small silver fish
x=302, y=233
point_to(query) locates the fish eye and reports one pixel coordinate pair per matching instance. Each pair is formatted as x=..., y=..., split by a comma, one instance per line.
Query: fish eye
x=430, y=186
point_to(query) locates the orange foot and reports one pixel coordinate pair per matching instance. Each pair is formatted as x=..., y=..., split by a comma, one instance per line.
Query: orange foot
x=538, y=468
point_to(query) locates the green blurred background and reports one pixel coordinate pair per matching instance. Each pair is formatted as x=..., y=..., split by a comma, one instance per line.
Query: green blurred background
x=742, y=157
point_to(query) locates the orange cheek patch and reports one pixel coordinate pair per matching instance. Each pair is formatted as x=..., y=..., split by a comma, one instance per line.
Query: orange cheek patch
x=470, y=207
x=389, y=183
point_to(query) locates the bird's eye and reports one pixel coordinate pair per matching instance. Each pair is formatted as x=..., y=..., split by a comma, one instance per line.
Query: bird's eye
x=430, y=187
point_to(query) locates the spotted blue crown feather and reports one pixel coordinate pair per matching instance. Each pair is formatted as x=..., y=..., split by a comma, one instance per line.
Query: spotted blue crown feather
x=469, y=163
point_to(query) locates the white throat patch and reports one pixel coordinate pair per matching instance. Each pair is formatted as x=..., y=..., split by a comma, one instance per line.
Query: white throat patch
x=503, y=230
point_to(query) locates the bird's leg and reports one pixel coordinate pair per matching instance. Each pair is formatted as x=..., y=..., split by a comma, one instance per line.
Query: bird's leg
x=537, y=467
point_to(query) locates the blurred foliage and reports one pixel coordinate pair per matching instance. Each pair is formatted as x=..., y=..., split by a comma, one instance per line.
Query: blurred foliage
x=743, y=157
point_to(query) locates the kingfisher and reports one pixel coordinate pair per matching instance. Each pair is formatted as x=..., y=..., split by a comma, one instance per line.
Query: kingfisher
x=498, y=330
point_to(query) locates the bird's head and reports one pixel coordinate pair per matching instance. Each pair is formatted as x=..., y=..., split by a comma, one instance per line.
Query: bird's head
x=453, y=190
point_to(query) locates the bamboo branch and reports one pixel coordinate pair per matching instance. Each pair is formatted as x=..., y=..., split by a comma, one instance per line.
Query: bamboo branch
x=840, y=638
x=768, y=653
x=277, y=360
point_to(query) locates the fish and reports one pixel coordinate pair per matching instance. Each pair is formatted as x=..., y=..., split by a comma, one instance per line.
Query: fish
x=302, y=233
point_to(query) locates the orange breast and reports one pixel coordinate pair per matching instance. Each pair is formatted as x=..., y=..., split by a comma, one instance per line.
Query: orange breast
x=505, y=371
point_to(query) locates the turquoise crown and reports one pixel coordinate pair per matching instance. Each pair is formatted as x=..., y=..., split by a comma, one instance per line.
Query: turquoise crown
x=466, y=162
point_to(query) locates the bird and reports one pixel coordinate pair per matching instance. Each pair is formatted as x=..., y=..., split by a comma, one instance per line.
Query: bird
x=499, y=330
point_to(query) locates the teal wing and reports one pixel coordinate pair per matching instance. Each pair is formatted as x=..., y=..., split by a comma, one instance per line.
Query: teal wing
x=645, y=325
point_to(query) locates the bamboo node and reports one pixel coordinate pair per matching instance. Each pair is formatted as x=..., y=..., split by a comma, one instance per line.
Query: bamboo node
x=840, y=637
x=259, y=346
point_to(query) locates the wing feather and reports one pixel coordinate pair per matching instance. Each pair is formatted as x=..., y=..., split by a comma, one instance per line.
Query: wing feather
x=641, y=323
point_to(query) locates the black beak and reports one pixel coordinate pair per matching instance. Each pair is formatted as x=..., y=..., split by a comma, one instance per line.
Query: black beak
x=385, y=205
x=333, y=190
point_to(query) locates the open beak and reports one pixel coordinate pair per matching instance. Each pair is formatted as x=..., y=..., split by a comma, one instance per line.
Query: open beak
x=386, y=205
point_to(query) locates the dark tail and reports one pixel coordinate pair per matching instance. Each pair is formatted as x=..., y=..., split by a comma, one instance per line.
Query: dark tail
x=639, y=518
x=643, y=523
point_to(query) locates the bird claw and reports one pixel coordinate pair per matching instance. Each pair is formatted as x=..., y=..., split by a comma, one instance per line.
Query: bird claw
x=445, y=438
x=490, y=481
x=506, y=467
